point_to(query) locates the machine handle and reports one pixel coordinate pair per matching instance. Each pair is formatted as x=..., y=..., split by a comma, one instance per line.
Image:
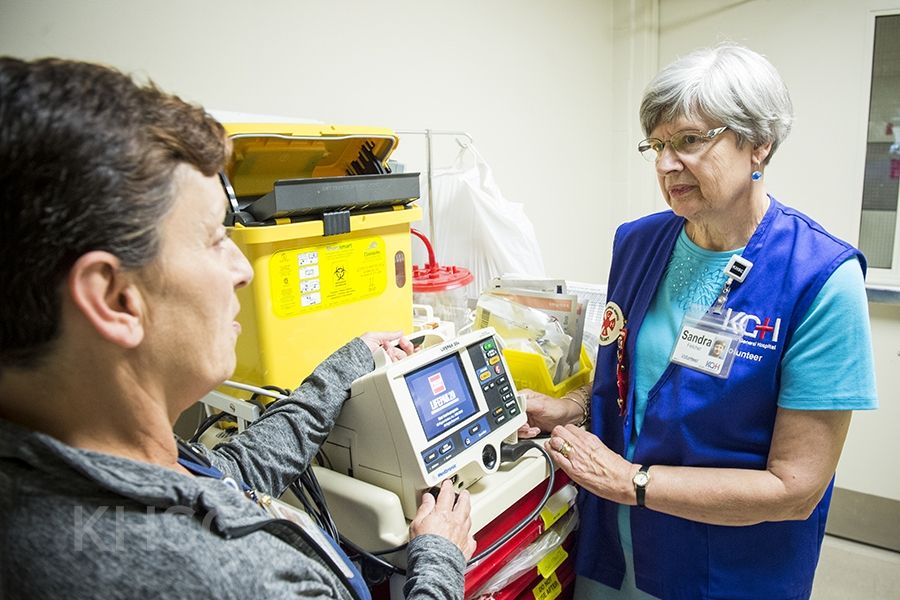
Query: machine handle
x=381, y=358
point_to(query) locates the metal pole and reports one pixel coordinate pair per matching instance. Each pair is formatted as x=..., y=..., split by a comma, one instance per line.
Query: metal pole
x=428, y=174
x=429, y=167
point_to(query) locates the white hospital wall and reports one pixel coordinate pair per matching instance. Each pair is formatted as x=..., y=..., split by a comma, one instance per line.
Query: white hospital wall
x=528, y=80
x=821, y=50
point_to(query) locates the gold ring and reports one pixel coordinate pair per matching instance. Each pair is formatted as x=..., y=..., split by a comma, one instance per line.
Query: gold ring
x=565, y=449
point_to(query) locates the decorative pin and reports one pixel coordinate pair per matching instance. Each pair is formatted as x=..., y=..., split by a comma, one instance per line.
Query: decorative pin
x=613, y=321
x=622, y=372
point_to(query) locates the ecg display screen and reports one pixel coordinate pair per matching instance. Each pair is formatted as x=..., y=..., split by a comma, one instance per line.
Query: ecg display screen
x=441, y=395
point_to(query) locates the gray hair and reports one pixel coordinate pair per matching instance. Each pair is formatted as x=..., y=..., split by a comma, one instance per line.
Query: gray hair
x=727, y=84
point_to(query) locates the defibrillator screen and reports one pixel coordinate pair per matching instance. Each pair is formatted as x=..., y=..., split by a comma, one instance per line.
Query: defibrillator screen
x=441, y=395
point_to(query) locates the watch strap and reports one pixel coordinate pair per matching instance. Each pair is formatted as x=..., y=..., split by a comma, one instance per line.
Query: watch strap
x=640, y=490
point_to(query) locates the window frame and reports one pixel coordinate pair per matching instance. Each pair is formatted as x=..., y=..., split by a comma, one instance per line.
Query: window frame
x=878, y=277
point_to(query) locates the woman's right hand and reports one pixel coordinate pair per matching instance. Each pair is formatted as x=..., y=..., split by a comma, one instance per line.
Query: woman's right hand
x=394, y=343
x=448, y=516
x=544, y=413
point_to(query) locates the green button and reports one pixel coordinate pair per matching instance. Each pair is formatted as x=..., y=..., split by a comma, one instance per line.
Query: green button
x=488, y=345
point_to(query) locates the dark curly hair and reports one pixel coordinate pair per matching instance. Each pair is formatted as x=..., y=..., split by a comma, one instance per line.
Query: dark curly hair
x=87, y=160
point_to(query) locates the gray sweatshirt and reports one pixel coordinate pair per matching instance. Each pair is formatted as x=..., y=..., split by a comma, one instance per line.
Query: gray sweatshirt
x=81, y=524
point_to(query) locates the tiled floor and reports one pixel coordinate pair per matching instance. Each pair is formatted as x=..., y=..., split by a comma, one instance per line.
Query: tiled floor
x=848, y=571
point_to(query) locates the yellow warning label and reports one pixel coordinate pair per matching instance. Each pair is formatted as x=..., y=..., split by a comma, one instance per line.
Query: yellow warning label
x=548, y=564
x=548, y=589
x=551, y=514
x=308, y=279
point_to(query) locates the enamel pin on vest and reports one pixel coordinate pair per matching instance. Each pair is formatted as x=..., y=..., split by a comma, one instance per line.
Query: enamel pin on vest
x=613, y=322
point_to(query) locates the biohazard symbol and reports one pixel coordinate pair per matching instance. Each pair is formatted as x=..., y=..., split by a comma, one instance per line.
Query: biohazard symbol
x=339, y=273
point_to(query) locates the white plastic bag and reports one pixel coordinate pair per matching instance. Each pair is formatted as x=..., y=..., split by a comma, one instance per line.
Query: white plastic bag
x=477, y=228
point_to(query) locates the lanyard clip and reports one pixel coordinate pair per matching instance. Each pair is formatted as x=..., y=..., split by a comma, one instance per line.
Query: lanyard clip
x=736, y=270
x=720, y=301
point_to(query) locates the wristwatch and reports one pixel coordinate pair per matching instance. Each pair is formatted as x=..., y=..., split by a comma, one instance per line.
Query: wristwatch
x=640, y=481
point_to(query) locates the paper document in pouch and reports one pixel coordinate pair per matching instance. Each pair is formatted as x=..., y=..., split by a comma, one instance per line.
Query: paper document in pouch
x=525, y=329
x=566, y=309
x=512, y=282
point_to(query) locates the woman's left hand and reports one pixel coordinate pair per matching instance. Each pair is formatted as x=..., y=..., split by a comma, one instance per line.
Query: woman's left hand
x=544, y=413
x=591, y=464
x=394, y=343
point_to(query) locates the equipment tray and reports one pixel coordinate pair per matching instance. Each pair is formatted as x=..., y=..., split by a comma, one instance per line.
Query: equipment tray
x=317, y=195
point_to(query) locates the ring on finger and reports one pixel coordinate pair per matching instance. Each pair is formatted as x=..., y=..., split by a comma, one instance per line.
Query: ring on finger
x=565, y=449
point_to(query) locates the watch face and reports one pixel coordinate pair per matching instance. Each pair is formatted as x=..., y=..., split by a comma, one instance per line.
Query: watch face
x=641, y=479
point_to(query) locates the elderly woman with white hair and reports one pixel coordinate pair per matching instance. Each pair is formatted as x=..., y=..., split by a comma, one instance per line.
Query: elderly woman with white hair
x=709, y=475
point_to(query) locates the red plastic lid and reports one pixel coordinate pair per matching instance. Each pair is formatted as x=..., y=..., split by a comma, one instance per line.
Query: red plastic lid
x=432, y=277
x=435, y=278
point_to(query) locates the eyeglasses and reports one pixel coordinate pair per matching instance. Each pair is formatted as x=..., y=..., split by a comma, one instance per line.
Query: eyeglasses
x=683, y=142
x=233, y=211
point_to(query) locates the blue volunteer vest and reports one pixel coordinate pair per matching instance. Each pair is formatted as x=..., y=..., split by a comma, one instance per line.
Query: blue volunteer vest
x=695, y=419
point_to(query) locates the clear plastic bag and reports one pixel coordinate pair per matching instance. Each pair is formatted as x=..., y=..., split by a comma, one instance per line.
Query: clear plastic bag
x=526, y=329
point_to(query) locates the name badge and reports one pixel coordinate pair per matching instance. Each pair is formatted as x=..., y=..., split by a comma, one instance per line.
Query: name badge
x=705, y=346
x=282, y=510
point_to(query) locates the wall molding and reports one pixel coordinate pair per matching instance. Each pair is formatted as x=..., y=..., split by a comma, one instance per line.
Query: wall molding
x=864, y=518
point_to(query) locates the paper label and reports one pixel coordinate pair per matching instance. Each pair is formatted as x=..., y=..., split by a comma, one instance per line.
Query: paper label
x=553, y=510
x=313, y=278
x=548, y=564
x=548, y=589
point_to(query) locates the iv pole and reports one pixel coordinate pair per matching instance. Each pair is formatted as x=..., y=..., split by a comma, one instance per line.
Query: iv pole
x=429, y=164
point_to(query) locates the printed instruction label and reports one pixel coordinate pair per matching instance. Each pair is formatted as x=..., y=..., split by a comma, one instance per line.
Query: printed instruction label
x=305, y=280
x=553, y=510
x=548, y=589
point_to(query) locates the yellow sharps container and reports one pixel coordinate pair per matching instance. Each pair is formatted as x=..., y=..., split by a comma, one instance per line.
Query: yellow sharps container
x=321, y=275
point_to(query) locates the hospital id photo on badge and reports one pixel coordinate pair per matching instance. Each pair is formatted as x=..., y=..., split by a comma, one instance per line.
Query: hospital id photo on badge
x=705, y=346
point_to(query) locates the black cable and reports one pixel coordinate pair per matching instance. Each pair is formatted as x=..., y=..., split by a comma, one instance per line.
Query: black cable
x=508, y=453
x=275, y=388
x=308, y=491
x=188, y=450
x=254, y=398
x=311, y=485
x=373, y=556
x=323, y=460
x=390, y=550
x=263, y=402
x=375, y=570
x=517, y=450
x=310, y=509
x=206, y=424
x=309, y=506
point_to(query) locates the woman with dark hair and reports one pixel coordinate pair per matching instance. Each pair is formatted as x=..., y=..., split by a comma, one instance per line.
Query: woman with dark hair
x=117, y=313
